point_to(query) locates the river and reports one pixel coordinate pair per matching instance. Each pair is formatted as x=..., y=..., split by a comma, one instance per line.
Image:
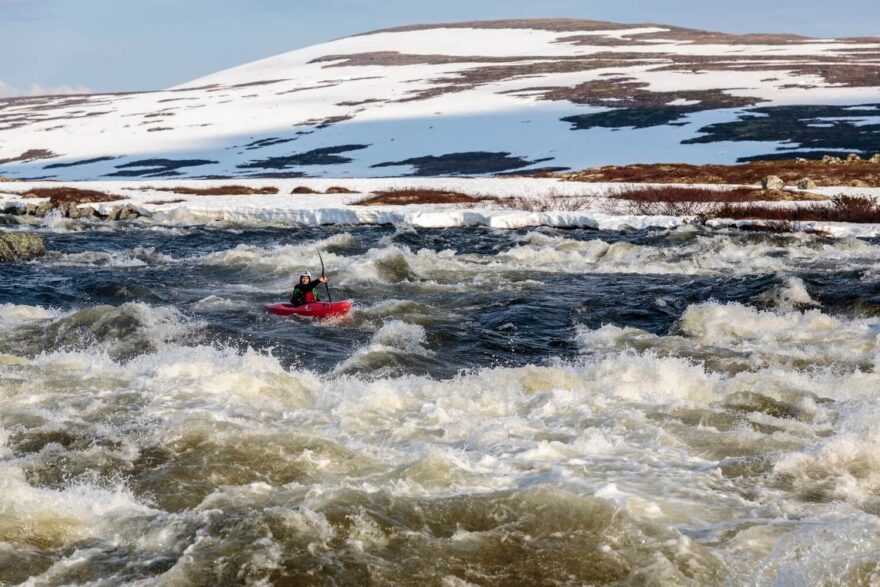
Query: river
x=513, y=407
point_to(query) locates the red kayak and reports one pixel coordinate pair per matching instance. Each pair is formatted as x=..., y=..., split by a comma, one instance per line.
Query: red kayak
x=313, y=310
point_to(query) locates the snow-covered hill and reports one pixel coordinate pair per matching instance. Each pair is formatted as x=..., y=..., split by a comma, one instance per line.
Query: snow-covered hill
x=469, y=98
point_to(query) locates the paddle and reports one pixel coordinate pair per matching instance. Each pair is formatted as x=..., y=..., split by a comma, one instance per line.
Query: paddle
x=329, y=299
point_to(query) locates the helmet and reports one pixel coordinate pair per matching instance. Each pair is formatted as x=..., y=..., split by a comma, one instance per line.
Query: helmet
x=305, y=274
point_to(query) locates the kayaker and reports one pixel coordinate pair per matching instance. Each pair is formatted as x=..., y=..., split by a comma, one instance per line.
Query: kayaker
x=303, y=291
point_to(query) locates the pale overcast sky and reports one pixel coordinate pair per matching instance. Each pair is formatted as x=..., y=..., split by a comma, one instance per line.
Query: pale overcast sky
x=122, y=45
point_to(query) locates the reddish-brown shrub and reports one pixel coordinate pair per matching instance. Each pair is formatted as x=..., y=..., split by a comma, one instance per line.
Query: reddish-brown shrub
x=842, y=208
x=672, y=201
x=406, y=196
x=225, y=190
x=771, y=226
x=854, y=173
x=304, y=190
x=65, y=195
x=689, y=201
x=687, y=194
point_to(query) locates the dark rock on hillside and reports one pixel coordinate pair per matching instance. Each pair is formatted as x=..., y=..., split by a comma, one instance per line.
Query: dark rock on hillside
x=156, y=167
x=323, y=156
x=840, y=129
x=468, y=163
x=29, y=155
x=78, y=163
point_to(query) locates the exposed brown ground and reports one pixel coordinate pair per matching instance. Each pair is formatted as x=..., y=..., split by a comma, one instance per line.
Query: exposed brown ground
x=628, y=94
x=855, y=174
x=29, y=155
x=216, y=88
x=66, y=195
x=304, y=190
x=160, y=202
x=226, y=190
x=578, y=25
x=853, y=67
x=331, y=190
x=859, y=69
x=673, y=33
x=406, y=196
x=547, y=24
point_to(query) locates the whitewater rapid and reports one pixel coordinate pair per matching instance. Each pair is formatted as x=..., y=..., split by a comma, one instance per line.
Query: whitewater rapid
x=674, y=407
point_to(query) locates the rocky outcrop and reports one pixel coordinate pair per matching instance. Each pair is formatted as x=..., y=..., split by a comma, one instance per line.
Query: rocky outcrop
x=772, y=182
x=875, y=158
x=16, y=246
x=72, y=210
x=853, y=158
x=807, y=184
x=830, y=160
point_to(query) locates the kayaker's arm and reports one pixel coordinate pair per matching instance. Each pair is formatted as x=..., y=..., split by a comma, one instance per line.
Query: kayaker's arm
x=313, y=284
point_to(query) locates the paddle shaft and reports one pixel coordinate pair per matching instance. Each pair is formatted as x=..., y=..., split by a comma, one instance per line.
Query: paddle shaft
x=329, y=299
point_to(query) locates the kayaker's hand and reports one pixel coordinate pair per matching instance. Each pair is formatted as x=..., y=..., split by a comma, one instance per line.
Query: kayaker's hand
x=323, y=279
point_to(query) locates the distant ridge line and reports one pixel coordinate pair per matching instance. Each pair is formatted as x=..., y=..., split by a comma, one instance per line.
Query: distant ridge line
x=580, y=25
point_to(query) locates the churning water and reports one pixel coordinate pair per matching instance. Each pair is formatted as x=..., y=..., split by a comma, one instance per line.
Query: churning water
x=502, y=407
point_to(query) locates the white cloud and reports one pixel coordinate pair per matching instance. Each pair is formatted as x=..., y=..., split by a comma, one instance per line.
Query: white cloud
x=7, y=91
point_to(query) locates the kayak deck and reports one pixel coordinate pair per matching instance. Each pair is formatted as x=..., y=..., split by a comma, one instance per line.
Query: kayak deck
x=313, y=310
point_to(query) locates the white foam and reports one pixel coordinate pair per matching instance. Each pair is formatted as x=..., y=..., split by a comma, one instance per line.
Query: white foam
x=58, y=517
x=12, y=315
x=394, y=339
x=741, y=336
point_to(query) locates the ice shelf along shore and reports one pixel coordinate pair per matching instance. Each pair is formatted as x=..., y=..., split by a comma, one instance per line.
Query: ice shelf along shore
x=166, y=202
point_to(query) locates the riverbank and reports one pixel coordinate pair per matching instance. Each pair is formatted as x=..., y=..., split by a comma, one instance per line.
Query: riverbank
x=499, y=202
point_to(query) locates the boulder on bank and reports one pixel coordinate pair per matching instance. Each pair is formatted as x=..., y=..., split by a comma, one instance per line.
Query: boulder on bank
x=875, y=158
x=127, y=212
x=16, y=246
x=807, y=184
x=772, y=182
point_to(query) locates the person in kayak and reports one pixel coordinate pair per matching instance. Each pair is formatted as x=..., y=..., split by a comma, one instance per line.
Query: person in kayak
x=303, y=292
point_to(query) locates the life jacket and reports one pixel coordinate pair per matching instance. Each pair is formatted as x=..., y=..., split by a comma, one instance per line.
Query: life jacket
x=299, y=298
